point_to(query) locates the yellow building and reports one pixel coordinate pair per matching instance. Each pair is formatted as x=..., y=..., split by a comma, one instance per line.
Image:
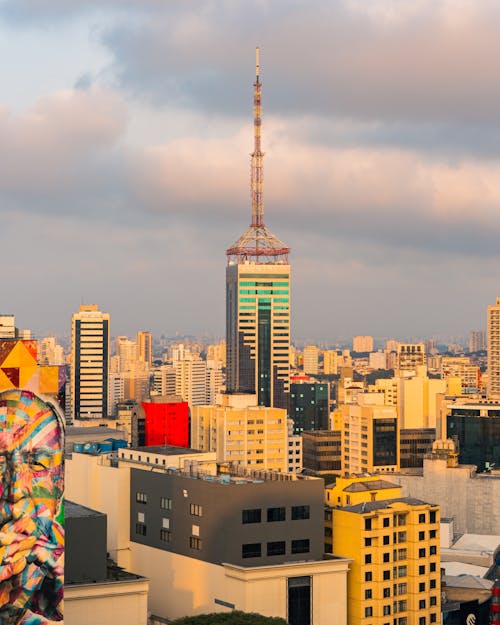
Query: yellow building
x=410, y=356
x=311, y=360
x=394, y=545
x=241, y=432
x=349, y=491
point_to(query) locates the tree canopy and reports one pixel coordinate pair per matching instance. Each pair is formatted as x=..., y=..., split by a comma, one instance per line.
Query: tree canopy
x=230, y=618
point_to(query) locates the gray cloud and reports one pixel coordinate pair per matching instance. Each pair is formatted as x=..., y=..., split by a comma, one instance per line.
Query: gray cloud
x=438, y=63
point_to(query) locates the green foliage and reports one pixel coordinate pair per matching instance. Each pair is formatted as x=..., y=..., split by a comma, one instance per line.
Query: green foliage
x=230, y=618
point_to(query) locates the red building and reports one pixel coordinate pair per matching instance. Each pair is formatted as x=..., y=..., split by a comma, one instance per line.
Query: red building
x=166, y=421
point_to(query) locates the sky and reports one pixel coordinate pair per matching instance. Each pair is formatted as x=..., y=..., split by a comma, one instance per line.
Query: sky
x=125, y=134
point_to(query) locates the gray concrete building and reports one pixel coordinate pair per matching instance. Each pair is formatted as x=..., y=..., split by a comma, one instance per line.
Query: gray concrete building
x=471, y=499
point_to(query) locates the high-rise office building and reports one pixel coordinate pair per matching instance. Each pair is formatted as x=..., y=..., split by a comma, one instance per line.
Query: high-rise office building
x=258, y=297
x=144, y=346
x=494, y=349
x=89, y=363
x=410, y=356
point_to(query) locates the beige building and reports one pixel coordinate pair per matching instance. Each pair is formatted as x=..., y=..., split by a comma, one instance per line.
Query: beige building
x=330, y=362
x=362, y=344
x=217, y=352
x=144, y=347
x=311, y=360
x=191, y=380
x=461, y=367
x=242, y=433
x=494, y=349
x=370, y=436
x=90, y=341
x=189, y=584
x=411, y=356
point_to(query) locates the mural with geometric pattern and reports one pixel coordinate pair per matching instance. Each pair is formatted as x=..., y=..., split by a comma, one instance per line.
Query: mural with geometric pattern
x=19, y=369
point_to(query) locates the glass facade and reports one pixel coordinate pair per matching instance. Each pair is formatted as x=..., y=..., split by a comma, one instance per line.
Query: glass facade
x=385, y=433
x=478, y=439
x=299, y=600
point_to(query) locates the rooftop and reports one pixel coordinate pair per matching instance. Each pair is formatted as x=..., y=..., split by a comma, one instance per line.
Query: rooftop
x=167, y=450
x=74, y=510
x=371, y=506
x=358, y=487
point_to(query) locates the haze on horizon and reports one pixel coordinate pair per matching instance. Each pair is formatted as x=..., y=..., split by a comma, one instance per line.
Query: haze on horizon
x=125, y=133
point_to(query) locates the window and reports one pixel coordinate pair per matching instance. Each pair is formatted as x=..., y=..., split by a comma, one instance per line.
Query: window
x=421, y=587
x=368, y=593
x=432, y=534
x=432, y=567
x=165, y=535
x=195, y=509
x=300, y=512
x=421, y=518
x=387, y=575
x=276, y=548
x=141, y=497
x=421, y=620
x=401, y=537
x=251, y=516
x=140, y=529
x=368, y=542
x=165, y=523
x=402, y=554
x=421, y=570
x=433, y=618
x=369, y=611
x=421, y=535
x=368, y=558
x=165, y=503
x=387, y=592
x=368, y=524
x=432, y=516
x=433, y=550
x=386, y=521
x=401, y=519
x=401, y=571
x=251, y=550
x=275, y=514
x=300, y=546
x=433, y=601
x=421, y=553
x=421, y=604
x=402, y=588
x=387, y=557
x=432, y=583
x=386, y=540
x=368, y=576
x=387, y=610
x=195, y=542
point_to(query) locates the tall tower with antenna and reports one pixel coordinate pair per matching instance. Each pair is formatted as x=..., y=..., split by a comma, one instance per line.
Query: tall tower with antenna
x=258, y=295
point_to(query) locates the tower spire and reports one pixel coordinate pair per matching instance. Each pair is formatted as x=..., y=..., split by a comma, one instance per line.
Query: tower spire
x=257, y=244
x=257, y=176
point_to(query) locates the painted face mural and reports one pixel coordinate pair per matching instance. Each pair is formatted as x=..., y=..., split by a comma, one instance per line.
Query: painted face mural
x=31, y=514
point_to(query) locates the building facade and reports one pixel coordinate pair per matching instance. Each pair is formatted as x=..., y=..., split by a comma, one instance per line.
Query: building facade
x=90, y=342
x=309, y=405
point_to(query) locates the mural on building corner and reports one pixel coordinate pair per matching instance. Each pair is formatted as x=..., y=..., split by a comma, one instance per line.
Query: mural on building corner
x=31, y=510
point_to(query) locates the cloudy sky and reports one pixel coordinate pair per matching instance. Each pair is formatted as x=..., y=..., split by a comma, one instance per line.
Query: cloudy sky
x=125, y=133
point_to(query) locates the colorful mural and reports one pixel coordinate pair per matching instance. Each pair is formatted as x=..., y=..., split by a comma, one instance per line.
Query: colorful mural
x=31, y=510
x=19, y=369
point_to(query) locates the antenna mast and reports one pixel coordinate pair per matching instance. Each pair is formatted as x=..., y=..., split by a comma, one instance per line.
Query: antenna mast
x=257, y=179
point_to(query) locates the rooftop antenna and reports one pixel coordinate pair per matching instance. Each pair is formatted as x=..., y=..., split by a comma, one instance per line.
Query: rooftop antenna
x=257, y=179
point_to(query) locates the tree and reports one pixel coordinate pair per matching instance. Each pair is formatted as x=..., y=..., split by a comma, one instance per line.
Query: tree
x=236, y=617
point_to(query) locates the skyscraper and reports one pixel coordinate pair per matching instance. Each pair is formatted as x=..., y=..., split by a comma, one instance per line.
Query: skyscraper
x=89, y=363
x=258, y=297
x=144, y=346
x=494, y=349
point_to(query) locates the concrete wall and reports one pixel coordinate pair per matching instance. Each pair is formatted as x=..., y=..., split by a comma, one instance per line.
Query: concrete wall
x=102, y=604
x=181, y=585
x=472, y=500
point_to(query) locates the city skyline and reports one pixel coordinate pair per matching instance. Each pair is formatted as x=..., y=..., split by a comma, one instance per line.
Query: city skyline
x=126, y=162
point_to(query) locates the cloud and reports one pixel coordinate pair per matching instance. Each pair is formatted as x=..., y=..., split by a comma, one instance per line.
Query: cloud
x=62, y=146
x=434, y=62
